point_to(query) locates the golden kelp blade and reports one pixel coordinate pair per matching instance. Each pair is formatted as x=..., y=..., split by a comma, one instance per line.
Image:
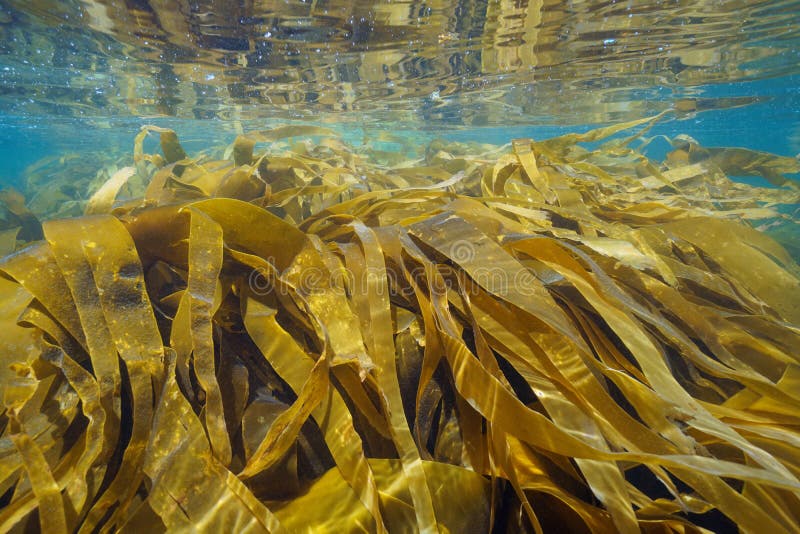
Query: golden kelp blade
x=529, y=341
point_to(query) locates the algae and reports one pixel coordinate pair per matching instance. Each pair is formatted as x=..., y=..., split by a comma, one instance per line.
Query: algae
x=301, y=338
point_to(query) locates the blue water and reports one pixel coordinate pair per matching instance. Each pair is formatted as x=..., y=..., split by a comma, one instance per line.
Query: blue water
x=771, y=125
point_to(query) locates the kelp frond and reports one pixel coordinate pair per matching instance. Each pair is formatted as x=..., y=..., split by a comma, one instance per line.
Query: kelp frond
x=547, y=337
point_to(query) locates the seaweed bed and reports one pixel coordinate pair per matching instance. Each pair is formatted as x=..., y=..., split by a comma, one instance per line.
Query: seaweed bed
x=547, y=336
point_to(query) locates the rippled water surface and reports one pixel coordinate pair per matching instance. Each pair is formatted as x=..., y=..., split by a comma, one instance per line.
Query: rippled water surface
x=468, y=62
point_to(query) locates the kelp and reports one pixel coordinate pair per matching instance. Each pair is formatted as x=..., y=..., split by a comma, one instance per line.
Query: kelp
x=542, y=337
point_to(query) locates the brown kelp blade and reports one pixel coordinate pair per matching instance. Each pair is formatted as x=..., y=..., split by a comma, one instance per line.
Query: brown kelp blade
x=304, y=339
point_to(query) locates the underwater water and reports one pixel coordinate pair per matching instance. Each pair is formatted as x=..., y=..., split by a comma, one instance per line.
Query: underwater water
x=400, y=266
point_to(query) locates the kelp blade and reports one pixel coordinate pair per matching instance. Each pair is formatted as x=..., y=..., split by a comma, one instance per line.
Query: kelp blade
x=471, y=342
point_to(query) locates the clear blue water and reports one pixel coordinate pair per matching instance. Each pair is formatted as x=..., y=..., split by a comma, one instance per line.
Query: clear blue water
x=772, y=125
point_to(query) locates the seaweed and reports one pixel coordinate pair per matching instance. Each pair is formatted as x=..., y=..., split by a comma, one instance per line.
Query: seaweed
x=305, y=339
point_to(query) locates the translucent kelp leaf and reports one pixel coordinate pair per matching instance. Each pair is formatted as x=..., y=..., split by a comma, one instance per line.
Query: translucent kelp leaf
x=190, y=487
x=194, y=326
x=51, y=504
x=460, y=499
x=336, y=423
x=17, y=344
x=743, y=162
x=103, y=198
x=282, y=132
x=536, y=337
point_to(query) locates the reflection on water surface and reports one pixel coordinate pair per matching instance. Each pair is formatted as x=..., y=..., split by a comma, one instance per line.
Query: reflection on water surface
x=458, y=62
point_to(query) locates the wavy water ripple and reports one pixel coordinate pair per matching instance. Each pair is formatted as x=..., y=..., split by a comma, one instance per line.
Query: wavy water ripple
x=473, y=62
